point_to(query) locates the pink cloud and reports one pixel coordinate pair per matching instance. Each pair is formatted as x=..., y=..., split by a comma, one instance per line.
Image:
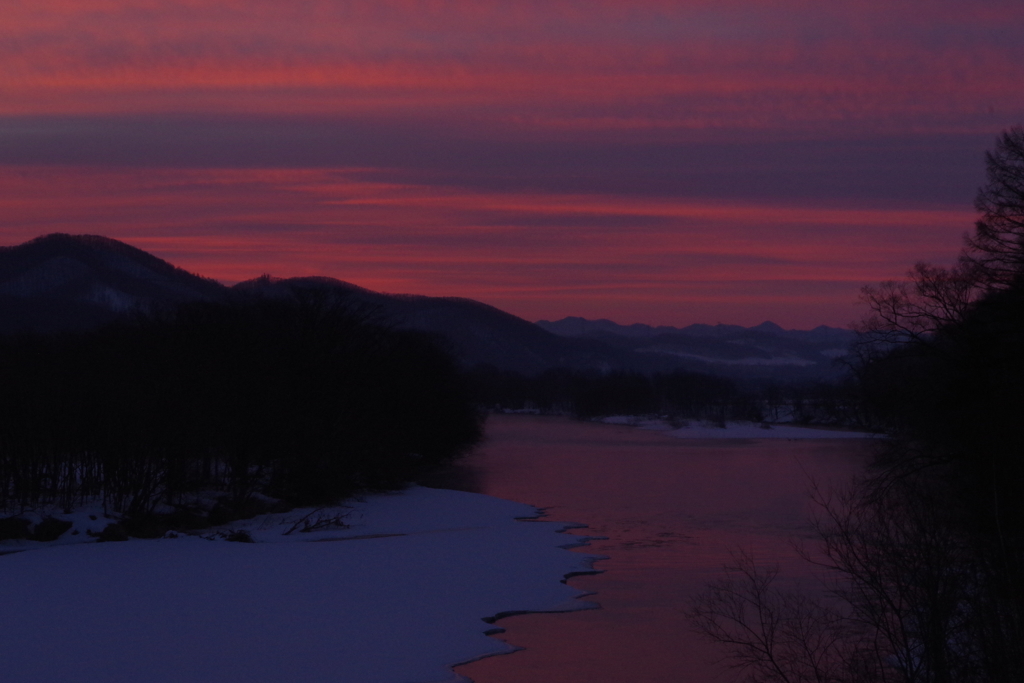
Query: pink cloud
x=594, y=74
x=537, y=255
x=600, y=66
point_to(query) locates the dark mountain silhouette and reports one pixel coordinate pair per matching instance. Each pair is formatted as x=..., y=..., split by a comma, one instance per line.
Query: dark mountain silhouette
x=765, y=350
x=71, y=282
x=476, y=333
x=581, y=327
x=479, y=334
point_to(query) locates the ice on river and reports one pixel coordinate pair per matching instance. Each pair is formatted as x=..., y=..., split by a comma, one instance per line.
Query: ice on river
x=397, y=597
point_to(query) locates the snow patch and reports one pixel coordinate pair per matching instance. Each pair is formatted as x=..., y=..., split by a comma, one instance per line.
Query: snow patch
x=399, y=595
x=749, y=430
x=657, y=424
x=732, y=430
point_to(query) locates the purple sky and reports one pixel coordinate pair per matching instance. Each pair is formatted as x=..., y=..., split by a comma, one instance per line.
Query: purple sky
x=645, y=161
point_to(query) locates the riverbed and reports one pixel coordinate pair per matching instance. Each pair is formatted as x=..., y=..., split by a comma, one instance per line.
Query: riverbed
x=673, y=511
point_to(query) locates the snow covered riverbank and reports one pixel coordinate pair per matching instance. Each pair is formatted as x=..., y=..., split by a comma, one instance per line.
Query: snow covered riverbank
x=397, y=597
x=734, y=430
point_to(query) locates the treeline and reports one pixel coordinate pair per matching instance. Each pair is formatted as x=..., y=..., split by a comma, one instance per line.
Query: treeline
x=294, y=399
x=679, y=394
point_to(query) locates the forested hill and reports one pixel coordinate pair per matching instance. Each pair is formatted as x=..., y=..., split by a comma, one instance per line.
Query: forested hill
x=76, y=282
x=476, y=333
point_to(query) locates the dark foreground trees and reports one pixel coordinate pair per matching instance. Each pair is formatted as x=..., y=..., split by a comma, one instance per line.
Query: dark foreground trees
x=927, y=551
x=953, y=403
x=294, y=399
x=588, y=394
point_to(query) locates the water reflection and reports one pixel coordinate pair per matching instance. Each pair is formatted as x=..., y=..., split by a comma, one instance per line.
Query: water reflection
x=673, y=510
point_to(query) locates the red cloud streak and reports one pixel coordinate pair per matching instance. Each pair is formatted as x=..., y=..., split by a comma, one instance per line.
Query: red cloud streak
x=537, y=255
x=592, y=117
x=565, y=66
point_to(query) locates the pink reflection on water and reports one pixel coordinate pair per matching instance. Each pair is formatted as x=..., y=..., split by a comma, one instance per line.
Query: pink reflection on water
x=673, y=511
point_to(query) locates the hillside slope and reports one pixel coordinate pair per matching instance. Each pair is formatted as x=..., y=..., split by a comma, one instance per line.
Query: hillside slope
x=65, y=282
x=69, y=282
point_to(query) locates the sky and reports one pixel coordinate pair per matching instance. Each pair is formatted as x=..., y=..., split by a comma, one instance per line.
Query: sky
x=656, y=161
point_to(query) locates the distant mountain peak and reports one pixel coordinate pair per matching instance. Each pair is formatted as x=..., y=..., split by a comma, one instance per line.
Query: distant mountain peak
x=62, y=281
x=65, y=282
x=766, y=349
x=92, y=241
x=306, y=281
x=95, y=249
x=577, y=326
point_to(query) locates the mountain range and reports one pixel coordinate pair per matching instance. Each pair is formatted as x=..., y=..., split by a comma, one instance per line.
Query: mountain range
x=725, y=349
x=65, y=282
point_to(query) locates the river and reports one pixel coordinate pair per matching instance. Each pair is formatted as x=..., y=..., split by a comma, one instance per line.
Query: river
x=673, y=510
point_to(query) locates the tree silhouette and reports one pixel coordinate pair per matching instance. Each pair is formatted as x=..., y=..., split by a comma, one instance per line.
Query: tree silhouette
x=911, y=310
x=928, y=549
x=996, y=250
